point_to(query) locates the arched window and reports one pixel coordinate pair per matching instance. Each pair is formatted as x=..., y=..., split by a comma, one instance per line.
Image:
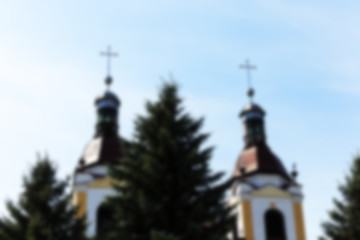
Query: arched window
x=274, y=224
x=235, y=234
x=103, y=216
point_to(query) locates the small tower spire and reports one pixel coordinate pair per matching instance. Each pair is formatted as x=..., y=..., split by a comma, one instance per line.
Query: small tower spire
x=252, y=115
x=294, y=172
x=108, y=54
x=108, y=103
x=248, y=67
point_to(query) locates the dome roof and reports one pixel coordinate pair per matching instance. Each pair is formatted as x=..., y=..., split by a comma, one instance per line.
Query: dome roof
x=259, y=159
x=101, y=151
x=107, y=99
x=253, y=108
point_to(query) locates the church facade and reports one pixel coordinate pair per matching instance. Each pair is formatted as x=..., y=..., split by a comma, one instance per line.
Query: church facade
x=92, y=183
x=267, y=198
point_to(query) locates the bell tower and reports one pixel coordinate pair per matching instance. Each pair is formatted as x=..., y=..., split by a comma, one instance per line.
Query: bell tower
x=92, y=183
x=267, y=199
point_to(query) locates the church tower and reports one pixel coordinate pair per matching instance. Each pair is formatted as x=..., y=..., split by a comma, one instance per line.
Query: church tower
x=267, y=199
x=91, y=179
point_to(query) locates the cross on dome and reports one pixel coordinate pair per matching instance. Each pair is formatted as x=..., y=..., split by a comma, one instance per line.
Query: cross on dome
x=108, y=54
x=248, y=67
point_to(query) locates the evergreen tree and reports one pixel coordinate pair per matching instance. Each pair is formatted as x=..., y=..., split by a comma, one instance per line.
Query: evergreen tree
x=43, y=211
x=155, y=235
x=344, y=223
x=166, y=189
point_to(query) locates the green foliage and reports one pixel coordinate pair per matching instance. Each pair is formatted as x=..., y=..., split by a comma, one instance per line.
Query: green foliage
x=43, y=210
x=168, y=191
x=155, y=235
x=344, y=223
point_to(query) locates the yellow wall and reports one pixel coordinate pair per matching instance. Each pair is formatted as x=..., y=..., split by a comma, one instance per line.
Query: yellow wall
x=248, y=221
x=81, y=202
x=299, y=221
x=271, y=191
x=104, y=183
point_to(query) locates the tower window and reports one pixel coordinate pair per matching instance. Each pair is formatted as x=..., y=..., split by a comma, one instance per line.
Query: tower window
x=235, y=234
x=103, y=216
x=274, y=224
x=258, y=128
x=107, y=115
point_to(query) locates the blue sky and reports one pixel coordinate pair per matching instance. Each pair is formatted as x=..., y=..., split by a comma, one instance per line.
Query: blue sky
x=307, y=53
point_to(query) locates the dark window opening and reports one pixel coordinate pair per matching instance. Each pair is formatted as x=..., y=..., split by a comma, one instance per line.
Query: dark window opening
x=107, y=115
x=274, y=224
x=103, y=217
x=235, y=234
x=254, y=127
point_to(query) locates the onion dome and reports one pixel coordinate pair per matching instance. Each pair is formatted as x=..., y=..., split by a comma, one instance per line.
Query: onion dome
x=252, y=109
x=107, y=100
x=257, y=157
x=253, y=118
x=107, y=106
x=106, y=146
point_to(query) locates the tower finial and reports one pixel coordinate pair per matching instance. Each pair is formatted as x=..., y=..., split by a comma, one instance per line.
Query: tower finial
x=109, y=54
x=248, y=67
x=294, y=172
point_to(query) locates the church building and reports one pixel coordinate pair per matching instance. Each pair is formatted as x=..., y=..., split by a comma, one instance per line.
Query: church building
x=267, y=199
x=91, y=179
x=92, y=184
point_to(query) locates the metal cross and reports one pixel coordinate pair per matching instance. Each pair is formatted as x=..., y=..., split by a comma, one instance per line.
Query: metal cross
x=248, y=67
x=109, y=54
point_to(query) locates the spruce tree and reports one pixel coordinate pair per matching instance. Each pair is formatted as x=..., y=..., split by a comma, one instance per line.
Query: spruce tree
x=165, y=188
x=344, y=223
x=43, y=211
x=155, y=235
